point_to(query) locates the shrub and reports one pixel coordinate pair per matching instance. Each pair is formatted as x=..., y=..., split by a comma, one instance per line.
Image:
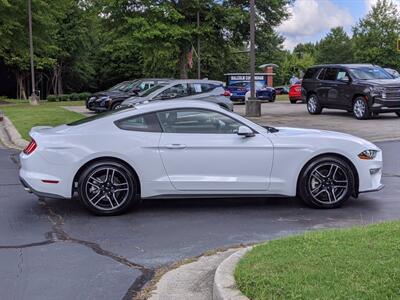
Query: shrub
x=52, y=98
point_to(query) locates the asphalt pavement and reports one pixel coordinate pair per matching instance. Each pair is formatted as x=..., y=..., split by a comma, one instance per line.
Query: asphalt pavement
x=55, y=249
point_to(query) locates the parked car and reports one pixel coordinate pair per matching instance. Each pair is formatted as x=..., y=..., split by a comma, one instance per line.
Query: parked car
x=239, y=90
x=295, y=93
x=184, y=89
x=362, y=89
x=187, y=149
x=282, y=90
x=112, y=98
x=392, y=72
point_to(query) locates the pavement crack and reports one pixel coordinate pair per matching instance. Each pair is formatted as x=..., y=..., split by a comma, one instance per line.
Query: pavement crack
x=43, y=243
x=59, y=234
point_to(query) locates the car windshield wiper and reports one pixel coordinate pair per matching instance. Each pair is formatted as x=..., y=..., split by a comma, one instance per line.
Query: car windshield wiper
x=271, y=129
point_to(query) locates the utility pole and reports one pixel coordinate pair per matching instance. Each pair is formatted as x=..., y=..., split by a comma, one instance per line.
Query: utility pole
x=253, y=106
x=198, y=46
x=252, y=49
x=33, y=99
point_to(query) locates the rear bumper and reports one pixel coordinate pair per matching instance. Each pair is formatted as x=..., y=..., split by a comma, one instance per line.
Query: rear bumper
x=30, y=189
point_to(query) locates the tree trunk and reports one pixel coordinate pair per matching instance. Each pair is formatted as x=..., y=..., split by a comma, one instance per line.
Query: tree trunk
x=183, y=61
x=56, y=80
x=21, y=90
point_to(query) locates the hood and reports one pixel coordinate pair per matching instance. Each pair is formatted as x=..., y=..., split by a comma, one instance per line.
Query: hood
x=382, y=82
x=135, y=100
x=111, y=94
x=302, y=132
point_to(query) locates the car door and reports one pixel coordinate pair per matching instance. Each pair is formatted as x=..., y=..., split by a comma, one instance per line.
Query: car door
x=321, y=87
x=343, y=89
x=202, y=152
x=331, y=85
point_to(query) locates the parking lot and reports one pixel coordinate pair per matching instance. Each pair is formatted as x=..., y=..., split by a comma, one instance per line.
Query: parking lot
x=50, y=241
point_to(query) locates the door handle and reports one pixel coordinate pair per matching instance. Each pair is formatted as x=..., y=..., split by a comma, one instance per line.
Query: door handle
x=175, y=146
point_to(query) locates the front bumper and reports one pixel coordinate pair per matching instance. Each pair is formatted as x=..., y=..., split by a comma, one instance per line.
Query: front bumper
x=385, y=105
x=96, y=106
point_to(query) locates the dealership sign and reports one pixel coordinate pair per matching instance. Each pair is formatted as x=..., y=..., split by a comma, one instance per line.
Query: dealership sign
x=245, y=78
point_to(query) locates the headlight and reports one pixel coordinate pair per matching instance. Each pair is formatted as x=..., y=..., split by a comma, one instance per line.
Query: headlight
x=378, y=92
x=368, y=154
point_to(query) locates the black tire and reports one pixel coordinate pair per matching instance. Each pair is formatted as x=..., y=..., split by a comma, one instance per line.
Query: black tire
x=319, y=181
x=313, y=105
x=361, y=109
x=116, y=105
x=113, y=183
x=398, y=113
x=273, y=99
x=293, y=101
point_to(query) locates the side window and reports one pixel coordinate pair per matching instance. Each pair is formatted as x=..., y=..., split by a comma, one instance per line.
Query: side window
x=330, y=74
x=321, y=74
x=146, y=122
x=310, y=73
x=176, y=91
x=196, y=88
x=197, y=121
x=342, y=75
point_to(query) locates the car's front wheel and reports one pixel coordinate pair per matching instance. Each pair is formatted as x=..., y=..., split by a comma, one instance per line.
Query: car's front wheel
x=326, y=182
x=116, y=105
x=107, y=188
x=360, y=109
x=313, y=105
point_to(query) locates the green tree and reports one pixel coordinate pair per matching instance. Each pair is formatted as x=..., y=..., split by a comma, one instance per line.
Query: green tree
x=335, y=47
x=375, y=36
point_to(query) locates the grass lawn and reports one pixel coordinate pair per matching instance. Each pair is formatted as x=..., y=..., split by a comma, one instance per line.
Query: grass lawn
x=25, y=116
x=356, y=263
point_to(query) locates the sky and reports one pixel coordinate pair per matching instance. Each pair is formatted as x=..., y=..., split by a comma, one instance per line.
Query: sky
x=311, y=20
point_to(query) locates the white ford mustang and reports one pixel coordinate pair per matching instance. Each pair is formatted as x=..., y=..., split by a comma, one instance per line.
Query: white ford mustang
x=188, y=148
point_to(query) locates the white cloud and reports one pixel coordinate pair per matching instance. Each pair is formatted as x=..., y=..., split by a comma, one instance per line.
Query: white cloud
x=370, y=3
x=309, y=18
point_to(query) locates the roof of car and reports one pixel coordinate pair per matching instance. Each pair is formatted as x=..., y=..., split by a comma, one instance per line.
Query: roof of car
x=343, y=65
x=195, y=80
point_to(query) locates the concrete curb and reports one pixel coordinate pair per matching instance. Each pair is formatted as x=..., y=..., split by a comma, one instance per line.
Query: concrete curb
x=224, y=281
x=15, y=139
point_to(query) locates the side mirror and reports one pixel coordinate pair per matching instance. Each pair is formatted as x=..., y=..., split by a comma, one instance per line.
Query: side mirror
x=245, y=131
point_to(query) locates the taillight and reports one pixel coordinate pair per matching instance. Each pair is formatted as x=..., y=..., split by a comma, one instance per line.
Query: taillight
x=31, y=147
x=297, y=89
x=227, y=93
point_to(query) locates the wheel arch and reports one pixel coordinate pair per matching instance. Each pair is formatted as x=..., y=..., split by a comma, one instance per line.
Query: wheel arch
x=104, y=158
x=337, y=155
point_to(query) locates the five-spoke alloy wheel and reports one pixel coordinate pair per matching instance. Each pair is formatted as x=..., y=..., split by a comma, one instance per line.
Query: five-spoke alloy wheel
x=326, y=182
x=107, y=188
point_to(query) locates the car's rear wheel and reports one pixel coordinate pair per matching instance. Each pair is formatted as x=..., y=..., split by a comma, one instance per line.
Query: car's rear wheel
x=313, y=105
x=293, y=101
x=326, y=182
x=272, y=99
x=360, y=109
x=107, y=188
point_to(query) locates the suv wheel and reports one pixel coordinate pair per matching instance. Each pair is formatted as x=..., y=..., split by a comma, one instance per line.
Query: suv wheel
x=360, y=109
x=326, y=182
x=107, y=188
x=313, y=105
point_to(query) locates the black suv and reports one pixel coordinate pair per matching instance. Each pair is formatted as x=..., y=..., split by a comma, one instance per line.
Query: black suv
x=362, y=89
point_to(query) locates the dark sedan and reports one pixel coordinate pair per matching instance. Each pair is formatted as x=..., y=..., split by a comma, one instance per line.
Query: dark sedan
x=238, y=91
x=113, y=97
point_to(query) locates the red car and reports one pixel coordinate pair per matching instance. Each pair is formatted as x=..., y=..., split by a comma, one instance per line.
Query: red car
x=295, y=93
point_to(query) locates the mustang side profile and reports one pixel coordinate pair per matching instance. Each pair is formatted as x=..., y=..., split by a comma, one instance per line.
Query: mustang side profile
x=178, y=148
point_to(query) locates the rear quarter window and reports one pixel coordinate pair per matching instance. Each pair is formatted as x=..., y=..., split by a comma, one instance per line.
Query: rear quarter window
x=311, y=73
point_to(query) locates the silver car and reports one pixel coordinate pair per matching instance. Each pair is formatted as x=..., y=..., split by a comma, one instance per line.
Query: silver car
x=185, y=89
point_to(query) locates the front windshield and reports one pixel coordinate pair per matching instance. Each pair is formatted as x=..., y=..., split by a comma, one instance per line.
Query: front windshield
x=370, y=73
x=117, y=86
x=129, y=86
x=150, y=90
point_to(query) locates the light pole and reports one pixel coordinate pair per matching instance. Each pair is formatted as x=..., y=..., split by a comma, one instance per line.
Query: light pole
x=253, y=107
x=33, y=99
